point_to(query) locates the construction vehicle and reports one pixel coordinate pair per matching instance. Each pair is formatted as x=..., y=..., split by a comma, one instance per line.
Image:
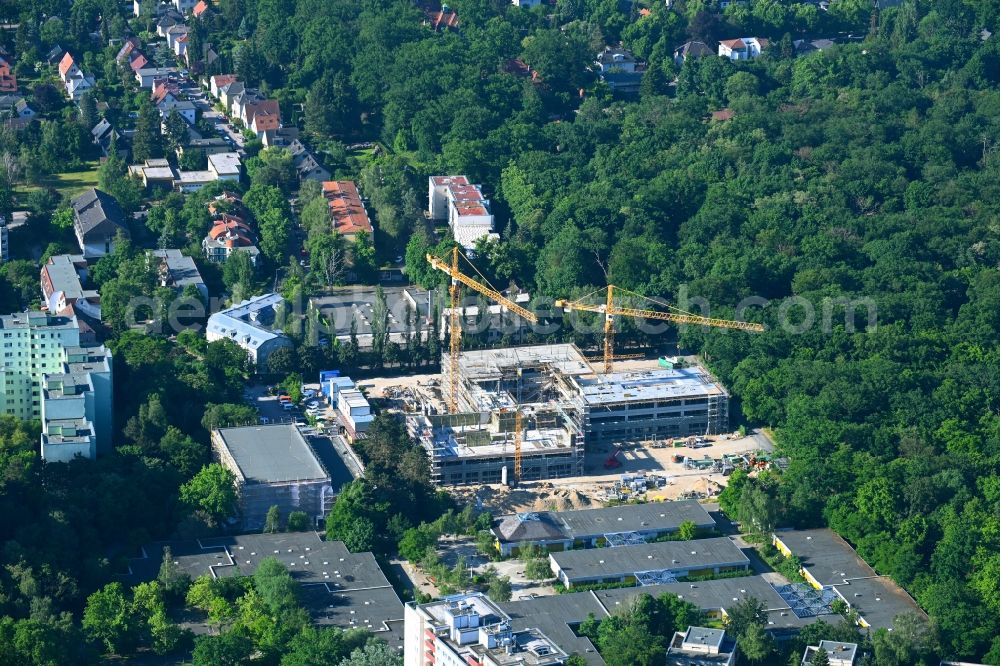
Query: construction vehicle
x=610, y=310
x=455, y=330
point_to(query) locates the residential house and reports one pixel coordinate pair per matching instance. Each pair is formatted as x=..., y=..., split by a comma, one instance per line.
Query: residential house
x=131, y=44
x=78, y=85
x=744, y=48
x=219, y=81
x=185, y=108
x=137, y=61
x=225, y=166
x=180, y=47
x=147, y=76
x=104, y=134
x=97, y=220
x=8, y=81
x=62, y=279
x=347, y=210
x=22, y=110
x=8, y=104
x=67, y=68
x=306, y=166
x=440, y=17
x=178, y=271
x=167, y=21
x=199, y=9
x=54, y=55
x=691, y=50
x=228, y=94
x=184, y=6
x=241, y=101
x=618, y=68
x=209, y=146
x=803, y=46
x=229, y=234
x=263, y=116
x=283, y=136
x=164, y=90
x=174, y=33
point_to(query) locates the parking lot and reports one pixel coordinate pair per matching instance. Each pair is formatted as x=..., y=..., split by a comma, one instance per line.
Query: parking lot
x=333, y=451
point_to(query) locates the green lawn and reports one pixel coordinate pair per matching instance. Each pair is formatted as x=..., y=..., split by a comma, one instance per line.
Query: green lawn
x=68, y=183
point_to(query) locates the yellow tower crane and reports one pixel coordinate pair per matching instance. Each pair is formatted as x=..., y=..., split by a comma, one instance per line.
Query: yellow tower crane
x=455, y=325
x=610, y=311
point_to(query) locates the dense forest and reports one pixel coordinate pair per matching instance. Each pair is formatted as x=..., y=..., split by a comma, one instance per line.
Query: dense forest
x=864, y=174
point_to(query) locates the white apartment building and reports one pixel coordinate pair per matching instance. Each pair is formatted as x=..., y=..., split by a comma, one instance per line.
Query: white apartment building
x=469, y=629
x=455, y=199
x=250, y=325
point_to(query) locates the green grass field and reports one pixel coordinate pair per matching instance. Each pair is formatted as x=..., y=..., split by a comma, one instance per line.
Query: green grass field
x=68, y=183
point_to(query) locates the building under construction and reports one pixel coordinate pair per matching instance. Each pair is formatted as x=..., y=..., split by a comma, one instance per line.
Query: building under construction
x=564, y=408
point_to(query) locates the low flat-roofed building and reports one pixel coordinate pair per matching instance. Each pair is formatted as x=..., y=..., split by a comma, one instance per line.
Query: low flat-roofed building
x=355, y=305
x=838, y=653
x=584, y=528
x=472, y=629
x=274, y=466
x=663, y=560
x=225, y=166
x=830, y=563
x=701, y=646
x=338, y=588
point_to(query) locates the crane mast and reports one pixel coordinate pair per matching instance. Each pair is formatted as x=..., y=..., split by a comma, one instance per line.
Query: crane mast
x=459, y=278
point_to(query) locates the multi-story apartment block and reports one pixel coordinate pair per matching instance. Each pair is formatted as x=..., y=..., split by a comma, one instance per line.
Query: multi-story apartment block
x=470, y=629
x=77, y=406
x=47, y=376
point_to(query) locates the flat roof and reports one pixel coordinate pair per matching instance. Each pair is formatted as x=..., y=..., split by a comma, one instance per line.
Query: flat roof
x=553, y=617
x=597, y=563
x=348, y=305
x=195, y=177
x=227, y=163
x=272, y=453
x=160, y=173
x=827, y=557
x=663, y=383
x=584, y=523
x=716, y=595
x=337, y=586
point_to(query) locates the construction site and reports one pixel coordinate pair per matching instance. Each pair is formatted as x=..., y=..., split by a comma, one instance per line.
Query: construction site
x=537, y=413
x=548, y=402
